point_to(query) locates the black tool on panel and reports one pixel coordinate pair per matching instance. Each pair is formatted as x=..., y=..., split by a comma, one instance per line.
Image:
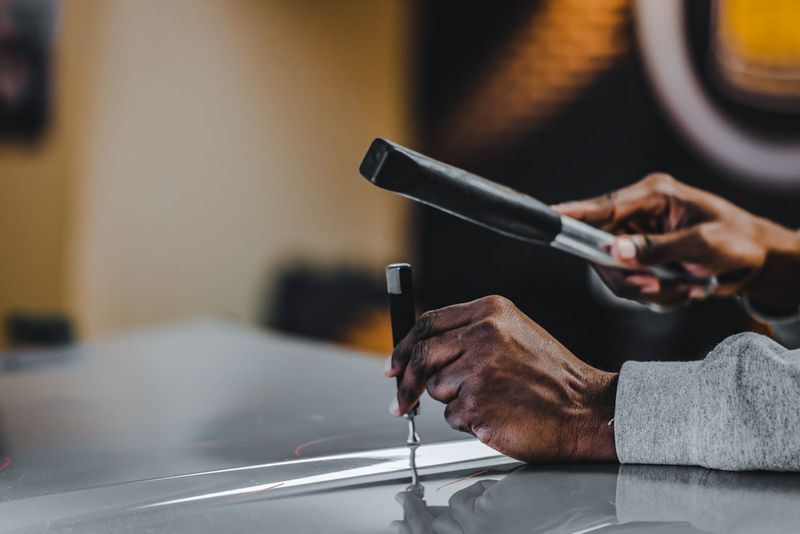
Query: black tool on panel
x=400, y=286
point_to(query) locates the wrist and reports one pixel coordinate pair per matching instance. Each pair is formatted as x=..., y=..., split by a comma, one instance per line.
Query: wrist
x=595, y=439
x=775, y=290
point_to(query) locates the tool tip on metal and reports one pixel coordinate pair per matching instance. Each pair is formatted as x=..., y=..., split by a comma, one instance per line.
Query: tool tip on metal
x=413, y=437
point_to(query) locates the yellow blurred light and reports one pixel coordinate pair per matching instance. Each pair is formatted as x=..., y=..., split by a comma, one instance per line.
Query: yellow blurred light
x=756, y=46
x=766, y=32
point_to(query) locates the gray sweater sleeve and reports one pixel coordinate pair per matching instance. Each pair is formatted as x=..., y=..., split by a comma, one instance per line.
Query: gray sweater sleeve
x=738, y=409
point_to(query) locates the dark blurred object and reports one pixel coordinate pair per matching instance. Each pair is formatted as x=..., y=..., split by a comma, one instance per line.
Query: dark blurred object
x=27, y=28
x=551, y=97
x=342, y=304
x=539, y=58
x=39, y=330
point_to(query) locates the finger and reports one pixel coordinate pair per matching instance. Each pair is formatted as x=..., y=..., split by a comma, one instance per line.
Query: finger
x=670, y=294
x=455, y=418
x=652, y=249
x=637, y=286
x=445, y=384
x=698, y=293
x=428, y=356
x=430, y=324
x=646, y=284
x=595, y=211
x=459, y=413
x=648, y=288
x=614, y=279
x=643, y=198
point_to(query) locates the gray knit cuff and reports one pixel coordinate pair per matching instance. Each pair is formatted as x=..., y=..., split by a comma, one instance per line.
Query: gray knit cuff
x=654, y=420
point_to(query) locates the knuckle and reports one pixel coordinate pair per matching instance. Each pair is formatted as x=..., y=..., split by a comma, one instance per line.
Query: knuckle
x=486, y=329
x=495, y=302
x=419, y=356
x=660, y=182
x=400, y=352
x=435, y=385
x=449, y=413
x=453, y=418
x=432, y=390
x=492, y=300
x=425, y=323
x=436, y=380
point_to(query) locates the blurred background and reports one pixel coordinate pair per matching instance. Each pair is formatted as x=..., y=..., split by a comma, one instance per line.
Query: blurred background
x=161, y=160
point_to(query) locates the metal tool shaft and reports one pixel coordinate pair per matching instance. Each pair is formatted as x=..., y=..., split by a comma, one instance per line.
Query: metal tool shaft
x=413, y=437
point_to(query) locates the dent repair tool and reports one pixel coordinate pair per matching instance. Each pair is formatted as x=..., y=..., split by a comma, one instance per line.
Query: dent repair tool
x=494, y=206
x=401, y=306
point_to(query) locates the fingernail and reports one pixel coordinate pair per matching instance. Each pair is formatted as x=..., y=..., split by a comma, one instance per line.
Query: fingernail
x=697, y=293
x=394, y=408
x=387, y=366
x=650, y=289
x=640, y=280
x=626, y=249
x=566, y=207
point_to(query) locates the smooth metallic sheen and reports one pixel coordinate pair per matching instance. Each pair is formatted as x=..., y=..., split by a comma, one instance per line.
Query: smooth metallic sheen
x=214, y=427
x=393, y=285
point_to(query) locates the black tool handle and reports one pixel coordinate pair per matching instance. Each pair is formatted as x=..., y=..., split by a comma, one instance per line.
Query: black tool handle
x=458, y=192
x=400, y=285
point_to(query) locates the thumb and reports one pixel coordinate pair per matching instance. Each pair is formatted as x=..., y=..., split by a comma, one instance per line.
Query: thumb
x=651, y=249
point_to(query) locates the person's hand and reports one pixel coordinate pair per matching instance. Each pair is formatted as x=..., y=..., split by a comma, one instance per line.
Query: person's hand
x=508, y=382
x=669, y=222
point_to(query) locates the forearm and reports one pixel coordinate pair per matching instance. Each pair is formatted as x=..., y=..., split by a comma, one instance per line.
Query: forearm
x=773, y=296
x=735, y=410
x=775, y=290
